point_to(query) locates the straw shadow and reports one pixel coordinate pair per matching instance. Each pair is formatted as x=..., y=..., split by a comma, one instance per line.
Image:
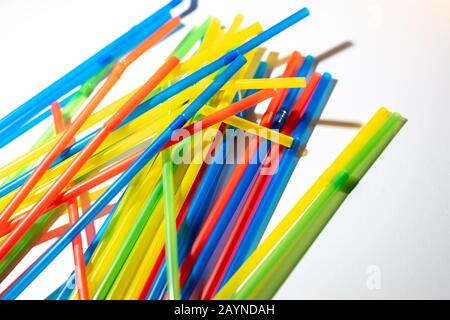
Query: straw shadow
x=334, y=51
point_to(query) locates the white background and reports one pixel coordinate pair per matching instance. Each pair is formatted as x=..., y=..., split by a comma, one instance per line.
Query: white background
x=397, y=219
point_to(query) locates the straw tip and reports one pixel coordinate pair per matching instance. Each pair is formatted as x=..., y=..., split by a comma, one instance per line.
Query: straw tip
x=305, y=11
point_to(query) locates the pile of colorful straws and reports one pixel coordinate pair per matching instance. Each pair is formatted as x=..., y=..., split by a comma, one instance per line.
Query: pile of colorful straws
x=186, y=174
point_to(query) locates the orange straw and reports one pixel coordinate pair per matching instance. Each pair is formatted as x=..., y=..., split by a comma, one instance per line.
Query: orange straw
x=85, y=203
x=62, y=181
x=72, y=208
x=71, y=131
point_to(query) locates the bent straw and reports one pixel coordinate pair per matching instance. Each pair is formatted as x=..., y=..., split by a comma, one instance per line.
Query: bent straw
x=224, y=207
x=171, y=90
x=242, y=123
x=90, y=148
x=90, y=67
x=65, y=139
x=116, y=290
x=102, y=114
x=173, y=281
x=160, y=264
x=261, y=209
x=115, y=168
x=15, y=130
x=125, y=178
x=309, y=101
x=206, y=122
x=353, y=148
x=203, y=98
x=72, y=208
x=270, y=274
x=205, y=177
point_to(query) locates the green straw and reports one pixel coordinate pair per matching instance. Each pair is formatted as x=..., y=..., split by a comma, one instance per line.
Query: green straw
x=170, y=227
x=129, y=242
x=265, y=281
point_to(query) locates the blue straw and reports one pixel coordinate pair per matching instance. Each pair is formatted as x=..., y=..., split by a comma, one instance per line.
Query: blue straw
x=289, y=160
x=87, y=69
x=236, y=62
x=31, y=118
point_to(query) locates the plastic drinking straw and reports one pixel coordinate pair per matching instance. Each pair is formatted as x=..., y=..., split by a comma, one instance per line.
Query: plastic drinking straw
x=72, y=107
x=313, y=107
x=356, y=144
x=132, y=236
x=223, y=202
x=34, y=241
x=79, y=145
x=90, y=148
x=194, y=78
x=26, y=244
x=134, y=200
x=136, y=260
x=254, y=42
x=63, y=292
x=72, y=208
x=168, y=93
x=131, y=279
x=57, y=232
x=270, y=274
x=244, y=125
x=199, y=205
x=159, y=98
x=121, y=165
x=170, y=227
x=261, y=207
x=207, y=176
x=180, y=120
x=90, y=67
x=85, y=203
x=82, y=117
x=202, y=96
x=142, y=273
x=11, y=133
x=267, y=83
x=17, y=220
x=180, y=218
